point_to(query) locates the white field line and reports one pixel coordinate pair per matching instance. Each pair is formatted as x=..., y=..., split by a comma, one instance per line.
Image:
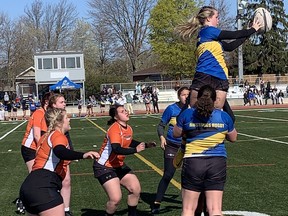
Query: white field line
x=256, y=137
x=12, y=130
x=262, y=118
x=262, y=138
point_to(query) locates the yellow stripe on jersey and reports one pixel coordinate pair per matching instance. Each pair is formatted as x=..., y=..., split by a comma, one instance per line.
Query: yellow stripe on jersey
x=215, y=48
x=173, y=121
x=199, y=146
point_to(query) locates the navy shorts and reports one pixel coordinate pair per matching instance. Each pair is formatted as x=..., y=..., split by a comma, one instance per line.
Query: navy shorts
x=40, y=191
x=28, y=154
x=201, y=79
x=170, y=149
x=104, y=174
x=203, y=173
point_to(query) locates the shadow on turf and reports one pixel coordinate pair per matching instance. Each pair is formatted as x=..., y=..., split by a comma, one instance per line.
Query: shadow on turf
x=90, y=212
x=147, y=198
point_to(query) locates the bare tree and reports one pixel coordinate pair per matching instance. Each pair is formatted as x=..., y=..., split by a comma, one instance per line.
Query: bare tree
x=126, y=20
x=51, y=24
x=223, y=7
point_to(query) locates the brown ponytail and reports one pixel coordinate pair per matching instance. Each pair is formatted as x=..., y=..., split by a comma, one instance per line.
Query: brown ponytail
x=205, y=101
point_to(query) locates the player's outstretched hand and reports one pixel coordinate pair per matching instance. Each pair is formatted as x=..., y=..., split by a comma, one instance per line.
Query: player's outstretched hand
x=91, y=154
x=150, y=144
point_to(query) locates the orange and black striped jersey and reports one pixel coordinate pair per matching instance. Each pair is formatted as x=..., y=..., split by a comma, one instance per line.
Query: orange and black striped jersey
x=115, y=134
x=36, y=120
x=46, y=159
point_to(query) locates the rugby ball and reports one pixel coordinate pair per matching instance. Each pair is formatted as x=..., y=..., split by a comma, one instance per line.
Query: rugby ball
x=263, y=16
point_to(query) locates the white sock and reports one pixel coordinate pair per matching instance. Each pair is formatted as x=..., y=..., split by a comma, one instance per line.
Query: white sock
x=67, y=209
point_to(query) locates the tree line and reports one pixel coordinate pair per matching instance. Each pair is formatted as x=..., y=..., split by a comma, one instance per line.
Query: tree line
x=119, y=37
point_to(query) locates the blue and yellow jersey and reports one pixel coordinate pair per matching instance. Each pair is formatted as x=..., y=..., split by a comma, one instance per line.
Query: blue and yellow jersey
x=169, y=117
x=210, y=53
x=205, y=137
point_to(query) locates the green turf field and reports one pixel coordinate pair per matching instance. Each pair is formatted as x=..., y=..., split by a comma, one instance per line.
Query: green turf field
x=257, y=166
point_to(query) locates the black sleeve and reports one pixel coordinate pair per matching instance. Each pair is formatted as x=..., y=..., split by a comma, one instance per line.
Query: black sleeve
x=66, y=154
x=117, y=149
x=161, y=128
x=134, y=143
x=232, y=45
x=244, y=33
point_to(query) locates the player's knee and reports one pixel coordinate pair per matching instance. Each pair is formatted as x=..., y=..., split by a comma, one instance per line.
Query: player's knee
x=115, y=200
x=135, y=189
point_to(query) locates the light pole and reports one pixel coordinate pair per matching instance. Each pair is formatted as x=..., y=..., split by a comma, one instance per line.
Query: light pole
x=241, y=6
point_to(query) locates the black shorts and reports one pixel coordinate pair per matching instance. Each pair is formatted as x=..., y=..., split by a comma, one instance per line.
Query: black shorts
x=40, y=191
x=170, y=149
x=104, y=174
x=28, y=154
x=203, y=173
x=201, y=79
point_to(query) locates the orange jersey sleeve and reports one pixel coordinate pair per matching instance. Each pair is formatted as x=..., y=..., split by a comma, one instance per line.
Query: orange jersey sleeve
x=45, y=157
x=36, y=120
x=115, y=134
x=39, y=119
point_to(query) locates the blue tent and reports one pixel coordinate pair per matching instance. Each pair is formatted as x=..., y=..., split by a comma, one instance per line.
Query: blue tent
x=65, y=83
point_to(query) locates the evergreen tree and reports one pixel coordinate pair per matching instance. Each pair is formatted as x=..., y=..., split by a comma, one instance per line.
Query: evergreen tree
x=267, y=52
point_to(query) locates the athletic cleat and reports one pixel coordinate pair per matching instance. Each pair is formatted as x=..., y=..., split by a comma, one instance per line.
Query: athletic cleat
x=68, y=213
x=19, y=206
x=155, y=208
x=178, y=159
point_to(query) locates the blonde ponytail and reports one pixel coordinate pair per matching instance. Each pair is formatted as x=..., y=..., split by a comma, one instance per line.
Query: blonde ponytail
x=188, y=29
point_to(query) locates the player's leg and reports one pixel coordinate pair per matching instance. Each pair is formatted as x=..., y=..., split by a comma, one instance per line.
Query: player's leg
x=214, y=202
x=132, y=184
x=113, y=191
x=66, y=191
x=189, y=202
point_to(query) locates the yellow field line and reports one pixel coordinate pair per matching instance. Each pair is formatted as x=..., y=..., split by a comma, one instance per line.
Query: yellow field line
x=144, y=160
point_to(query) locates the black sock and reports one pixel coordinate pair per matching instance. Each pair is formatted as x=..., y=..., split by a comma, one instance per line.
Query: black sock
x=132, y=210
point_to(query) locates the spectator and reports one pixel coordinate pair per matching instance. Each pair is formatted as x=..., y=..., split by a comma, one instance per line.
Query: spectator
x=80, y=104
x=14, y=110
x=32, y=106
x=6, y=98
x=89, y=109
x=23, y=106
x=274, y=96
x=9, y=109
x=147, y=102
x=129, y=101
x=281, y=97
x=154, y=98
x=102, y=104
x=245, y=97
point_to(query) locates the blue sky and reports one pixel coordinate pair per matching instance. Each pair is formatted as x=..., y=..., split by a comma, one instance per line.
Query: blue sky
x=15, y=8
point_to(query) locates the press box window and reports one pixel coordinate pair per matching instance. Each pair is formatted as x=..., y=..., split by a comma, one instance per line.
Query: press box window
x=78, y=62
x=55, y=63
x=47, y=63
x=39, y=63
x=70, y=63
x=63, y=62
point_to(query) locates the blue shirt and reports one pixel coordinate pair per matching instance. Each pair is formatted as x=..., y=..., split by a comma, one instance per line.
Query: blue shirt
x=205, y=136
x=169, y=117
x=210, y=53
